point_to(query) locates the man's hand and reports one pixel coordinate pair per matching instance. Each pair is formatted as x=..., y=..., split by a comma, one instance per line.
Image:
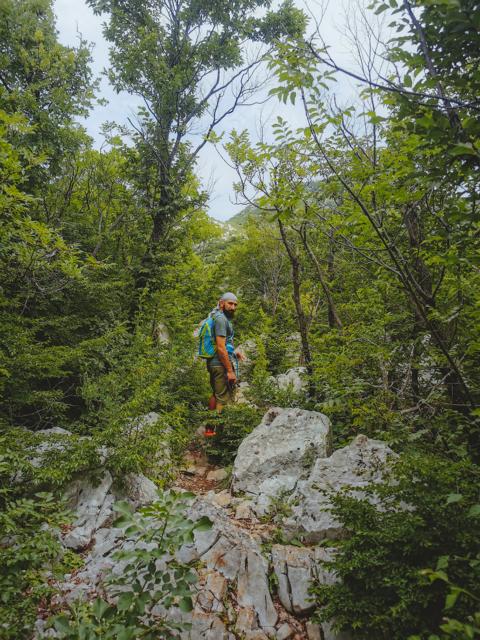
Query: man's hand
x=240, y=355
x=231, y=377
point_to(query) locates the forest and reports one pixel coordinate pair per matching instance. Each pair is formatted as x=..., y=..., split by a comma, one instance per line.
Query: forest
x=356, y=257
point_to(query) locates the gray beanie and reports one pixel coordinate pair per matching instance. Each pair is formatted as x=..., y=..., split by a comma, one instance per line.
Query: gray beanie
x=229, y=297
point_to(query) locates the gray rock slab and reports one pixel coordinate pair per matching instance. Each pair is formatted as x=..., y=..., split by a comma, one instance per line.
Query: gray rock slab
x=235, y=554
x=361, y=462
x=284, y=632
x=140, y=489
x=213, y=591
x=283, y=447
x=217, y=475
x=253, y=591
x=246, y=620
x=292, y=379
x=92, y=505
x=295, y=570
x=314, y=631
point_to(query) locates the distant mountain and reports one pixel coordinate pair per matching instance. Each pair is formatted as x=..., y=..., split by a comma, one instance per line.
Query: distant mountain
x=239, y=219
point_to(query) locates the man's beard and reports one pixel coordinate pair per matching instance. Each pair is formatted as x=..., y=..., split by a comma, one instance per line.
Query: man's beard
x=229, y=314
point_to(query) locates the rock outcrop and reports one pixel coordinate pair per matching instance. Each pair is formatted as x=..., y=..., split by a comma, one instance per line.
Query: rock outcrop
x=278, y=453
x=293, y=379
x=360, y=463
x=287, y=457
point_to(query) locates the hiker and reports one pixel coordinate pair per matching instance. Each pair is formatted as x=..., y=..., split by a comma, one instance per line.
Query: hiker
x=216, y=346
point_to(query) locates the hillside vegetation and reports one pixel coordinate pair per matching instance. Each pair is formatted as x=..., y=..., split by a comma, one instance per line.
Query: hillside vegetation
x=359, y=244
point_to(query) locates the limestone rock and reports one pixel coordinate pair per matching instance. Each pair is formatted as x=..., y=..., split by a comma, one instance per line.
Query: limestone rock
x=252, y=589
x=92, y=505
x=139, y=489
x=330, y=634
x=213, y=592
x=217, y=475
x=141, y=423
x=255, y=635
x=200, y=471
x=314, y=631
x=246, y=620
x=294, y=568
x=284, y=632
x=293, y=379
x=161, y=334
x=244, y=511
x=241, y=393
x=355, y=466
x=236, y=555
x=54, y=439
x=280, y=451
x=54, y=431
x=222, y=499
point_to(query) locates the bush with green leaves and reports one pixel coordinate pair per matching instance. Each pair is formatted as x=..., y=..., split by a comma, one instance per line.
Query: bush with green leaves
x=149, y=580
x=409, y=566
x=30, y=555
x=30, y=552
x=232, y=426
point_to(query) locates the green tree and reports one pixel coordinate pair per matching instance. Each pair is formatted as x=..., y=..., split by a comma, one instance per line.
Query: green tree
x=48, y=83
x=188, y=62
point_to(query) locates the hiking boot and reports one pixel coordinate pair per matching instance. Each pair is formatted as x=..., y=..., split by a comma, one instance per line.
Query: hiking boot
x=209, y=431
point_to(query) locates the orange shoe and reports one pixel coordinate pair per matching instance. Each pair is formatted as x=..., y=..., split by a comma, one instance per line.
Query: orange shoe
x=209, y=431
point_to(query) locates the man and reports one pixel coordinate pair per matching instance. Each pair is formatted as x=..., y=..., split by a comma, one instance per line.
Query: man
x=222, y=368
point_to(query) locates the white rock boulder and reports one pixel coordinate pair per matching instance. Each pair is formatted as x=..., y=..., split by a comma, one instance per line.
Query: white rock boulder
x=293, y=379
x=355, y=466
x=139, y=489
x=92, y=504
x=280, y=451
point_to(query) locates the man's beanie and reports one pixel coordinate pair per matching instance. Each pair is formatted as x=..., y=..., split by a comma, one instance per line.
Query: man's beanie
x=229, y=297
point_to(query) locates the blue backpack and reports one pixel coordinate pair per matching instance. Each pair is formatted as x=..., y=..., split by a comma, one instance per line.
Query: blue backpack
x=207, y=347
x=206, y=338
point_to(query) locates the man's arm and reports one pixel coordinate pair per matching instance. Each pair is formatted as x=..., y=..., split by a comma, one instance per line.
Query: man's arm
x=221, y=343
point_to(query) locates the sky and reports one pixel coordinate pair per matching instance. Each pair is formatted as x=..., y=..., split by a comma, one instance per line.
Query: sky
x=74, y=17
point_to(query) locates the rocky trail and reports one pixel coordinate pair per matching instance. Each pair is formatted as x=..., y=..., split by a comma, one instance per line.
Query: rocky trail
x=257, y=562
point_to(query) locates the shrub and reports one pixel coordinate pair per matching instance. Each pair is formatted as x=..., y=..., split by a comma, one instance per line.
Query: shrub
x=30, y=553
x=151, y=581
x=406, y=568
x=233, y=425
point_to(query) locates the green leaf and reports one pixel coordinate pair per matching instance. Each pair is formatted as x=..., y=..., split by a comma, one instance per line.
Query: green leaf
x=62, y=624
x=204, y=524
x=123, y=507
x=123, y=633
x=185, y=604
x=125, y=601
x=464, y=149
x=454, y=498
x=99, y=608
x=451, y=599
x=187, y=495
x=474, y=511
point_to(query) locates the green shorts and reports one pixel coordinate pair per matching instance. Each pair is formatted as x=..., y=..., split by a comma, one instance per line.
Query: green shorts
x=218, y=382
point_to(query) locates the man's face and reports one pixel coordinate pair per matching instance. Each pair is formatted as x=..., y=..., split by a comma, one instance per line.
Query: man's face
x=228, y=307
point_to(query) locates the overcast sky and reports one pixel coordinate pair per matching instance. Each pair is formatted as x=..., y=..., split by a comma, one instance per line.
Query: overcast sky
x=74, y=17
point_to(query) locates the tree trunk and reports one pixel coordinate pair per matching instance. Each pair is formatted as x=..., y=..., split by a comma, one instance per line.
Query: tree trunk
x=300, y=313
x=333, y=317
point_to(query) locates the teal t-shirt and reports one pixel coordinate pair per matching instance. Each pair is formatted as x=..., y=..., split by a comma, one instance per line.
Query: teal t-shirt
x=223, y=327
